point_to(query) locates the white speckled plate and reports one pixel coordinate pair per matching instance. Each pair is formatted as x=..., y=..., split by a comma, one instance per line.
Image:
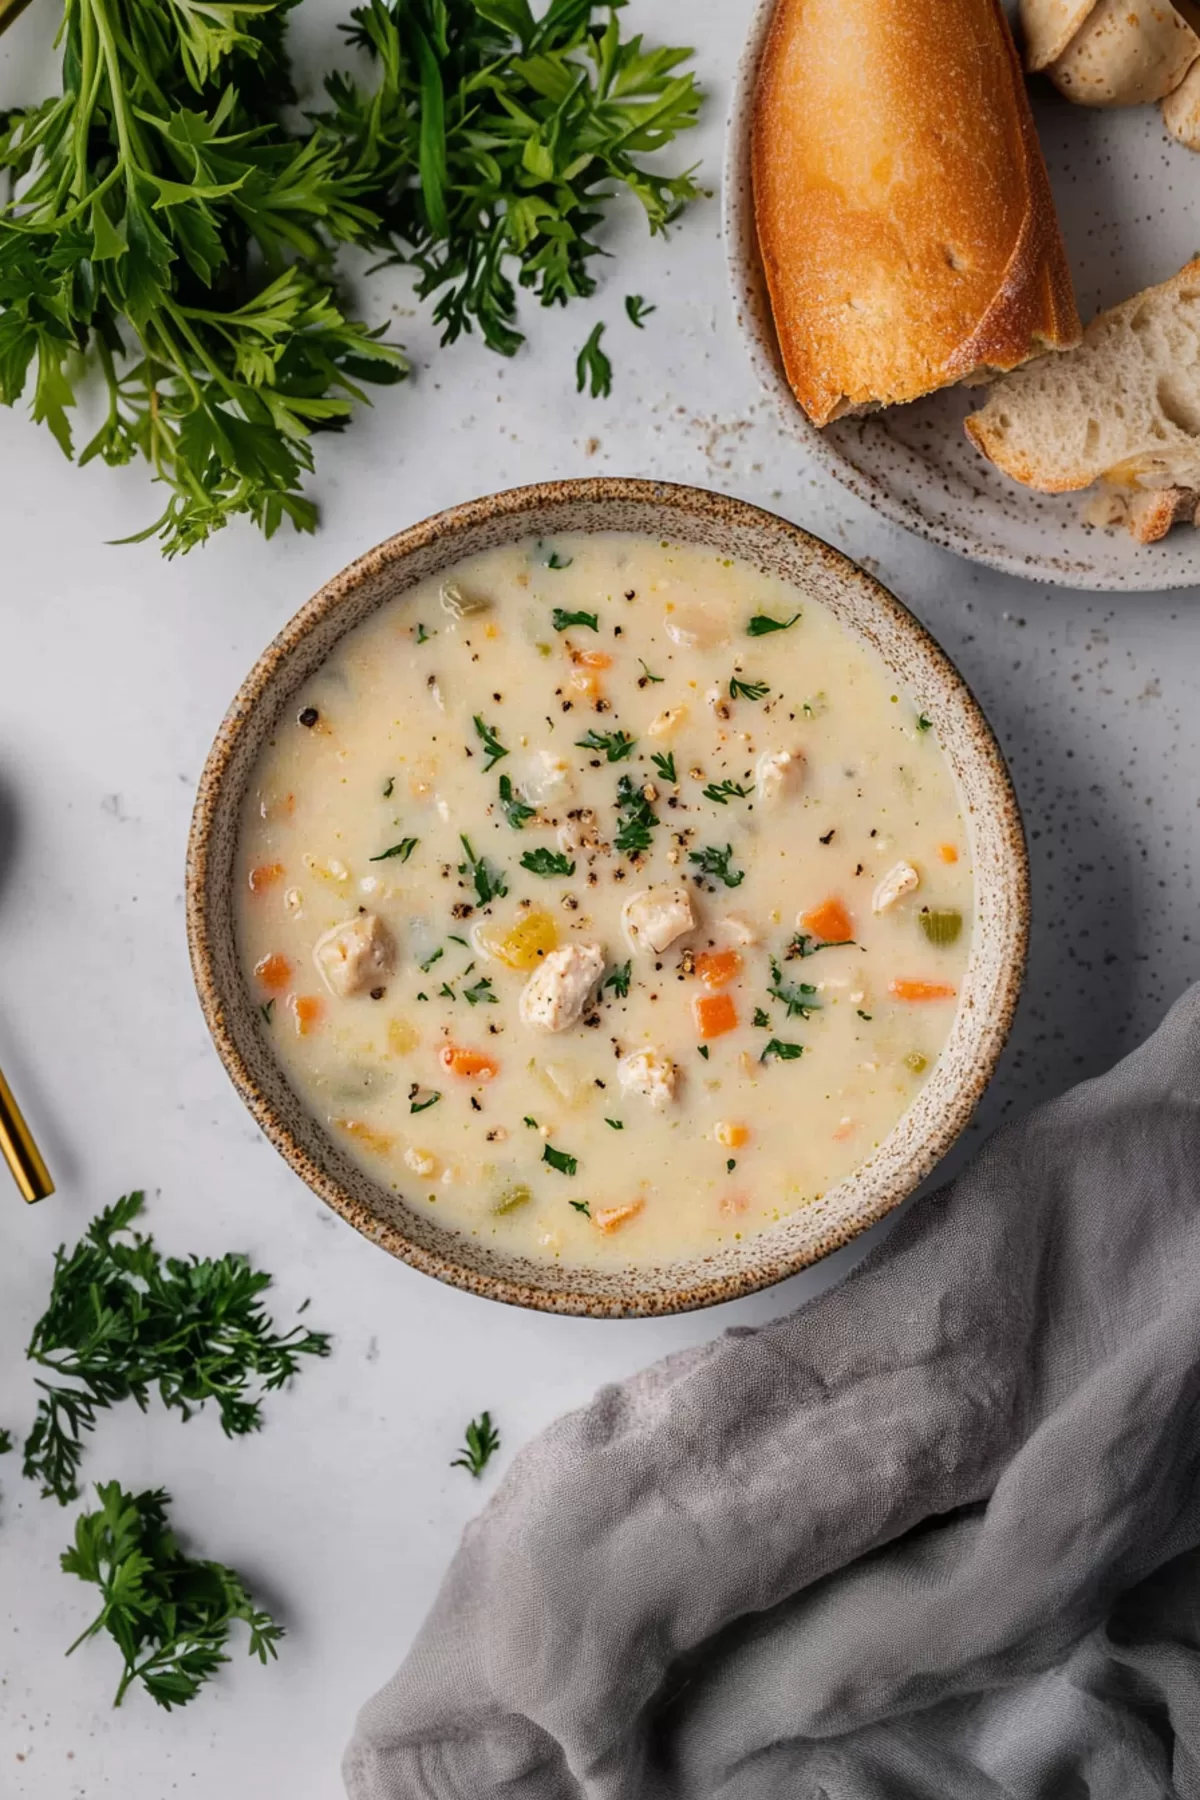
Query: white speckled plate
x=1129, y=201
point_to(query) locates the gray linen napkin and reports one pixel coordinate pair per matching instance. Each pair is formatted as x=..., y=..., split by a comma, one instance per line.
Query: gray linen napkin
x=934, y=1535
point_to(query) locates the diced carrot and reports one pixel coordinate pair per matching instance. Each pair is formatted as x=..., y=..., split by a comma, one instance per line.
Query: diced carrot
x=307, y=1009
x=830, y=921
x=265, y=876
x=733, y=1204
x=717, y=968
x=611, y=1218
x=733, y=1137
x=846, y=1129
x=273, y=971
x=904, y=989
x=948, y=852
x=592, y=659
x=472, y=1063
x=715, y=1014
x=585, y=681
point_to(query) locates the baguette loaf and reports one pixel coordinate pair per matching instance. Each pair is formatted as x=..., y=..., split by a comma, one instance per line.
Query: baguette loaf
x=1124, y=408
x=904, y=215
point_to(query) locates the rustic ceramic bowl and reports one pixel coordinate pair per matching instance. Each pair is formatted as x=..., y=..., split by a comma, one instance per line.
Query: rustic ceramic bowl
x=689, y=515
x=1129, y=205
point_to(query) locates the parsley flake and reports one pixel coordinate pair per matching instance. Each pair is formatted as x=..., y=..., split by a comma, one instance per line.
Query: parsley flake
x=636, y=818
x=924, y=723
x=433, y=957
x=420, y=1106
x=785, y=1052
x=547, y=862
x=618, y=980
x=581, y=1206
x=513, y=807
x=747, y=690
x=617, y=1124
x=481, y=994
x=483, y=1441
x=489, y=883
x=637, y=310
x=665, y=766
x=796, y=996
x=616, y=745
x=563, y=621
x=560, y=1160
x=762, y=624
x=389, y=787
x=715, y=865
x=592, y=367
x=647, y=676
x=403, y=850
x=722, y=792
x=491, y=743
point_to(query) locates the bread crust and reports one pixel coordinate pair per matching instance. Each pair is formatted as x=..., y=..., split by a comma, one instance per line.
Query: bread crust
x=904, y=215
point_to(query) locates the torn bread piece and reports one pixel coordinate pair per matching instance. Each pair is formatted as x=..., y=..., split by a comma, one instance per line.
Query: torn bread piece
x=1126, y=53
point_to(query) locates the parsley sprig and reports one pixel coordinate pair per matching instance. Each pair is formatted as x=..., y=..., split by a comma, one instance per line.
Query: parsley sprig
x=716, y=865
x=637, y=819
x=547, y=862
x=513, y=807
x=795, y=995
x=617, y=746
x=122, y=1321
x=483, y=1441
x=489, y=882
x=491, y=743
x=169, y=1614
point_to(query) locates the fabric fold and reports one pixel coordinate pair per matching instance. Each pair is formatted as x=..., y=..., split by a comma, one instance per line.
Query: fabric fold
x=934, y=1534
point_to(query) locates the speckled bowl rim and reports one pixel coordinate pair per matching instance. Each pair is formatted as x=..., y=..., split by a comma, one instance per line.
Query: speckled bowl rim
x=755, y=324
x=514, y=506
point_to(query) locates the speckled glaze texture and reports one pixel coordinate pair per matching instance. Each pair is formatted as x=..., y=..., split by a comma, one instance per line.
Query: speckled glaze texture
x=989, y=992
x=1128, y=201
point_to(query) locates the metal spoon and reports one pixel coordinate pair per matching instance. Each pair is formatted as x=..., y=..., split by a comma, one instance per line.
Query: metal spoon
x=19, y=1150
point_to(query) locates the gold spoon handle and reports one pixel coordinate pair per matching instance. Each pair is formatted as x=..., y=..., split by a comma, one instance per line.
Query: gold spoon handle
x=19, y=1150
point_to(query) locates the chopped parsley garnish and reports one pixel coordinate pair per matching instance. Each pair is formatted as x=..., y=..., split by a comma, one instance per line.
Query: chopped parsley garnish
x=761, y=1019
x=422, y=635
x=924, y=723
x=513, y=807
x=731, y=1165
x=563, y=621
x=420, y=1106
x=747, y=690
x=489, y=883
x=637, y=819
x=637, y=310
x=722, y=792
x=446, y=992
x=646, y=675
x=389, y=787
x=714, y=864
x=616, y=745
x=547, y=862
x=762, y=624
x=785, y=1052
x=665, y=766
x=433, y=957
x=794, y=995
x=491, y=744
x=804, y=945
x=267, y=1009
x=559, y=1159
x=483, y=1441
x=583, y=1207
x=532, y=1123
x=704, y=1051
x=593, y=368
x=867, y=1016
x=617, y=1124
x=618, y=980
x=481, y=994
x=403, y=850
x=555, y=561
x=458, y=940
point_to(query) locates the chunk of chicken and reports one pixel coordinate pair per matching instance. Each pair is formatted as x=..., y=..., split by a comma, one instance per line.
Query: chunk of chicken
x=779, y=773
x=737, y=929
x=545, y=779
x=650, y=1075
x=901, y=880
x=654, y=917
x=556, y=993
x=356, y=956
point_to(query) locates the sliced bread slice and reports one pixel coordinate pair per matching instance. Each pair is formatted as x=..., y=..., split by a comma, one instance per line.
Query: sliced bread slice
x=1124, y=407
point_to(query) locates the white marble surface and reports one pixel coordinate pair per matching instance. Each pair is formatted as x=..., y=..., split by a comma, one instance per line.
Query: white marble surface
x=114, y=671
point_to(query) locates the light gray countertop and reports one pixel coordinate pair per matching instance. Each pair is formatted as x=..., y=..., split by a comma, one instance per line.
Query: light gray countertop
x=115, y=669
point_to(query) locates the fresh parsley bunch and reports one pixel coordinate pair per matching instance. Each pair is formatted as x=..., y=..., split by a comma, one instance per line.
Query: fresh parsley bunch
x=168, y=233
x=123, y=1320
x=169, y=1614
x=493, y=141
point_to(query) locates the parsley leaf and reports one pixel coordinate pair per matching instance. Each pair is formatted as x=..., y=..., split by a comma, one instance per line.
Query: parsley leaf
x=665, y=765
x=169, y=1614
x=724, y=791
x=618, y=980
x=617, y=1124
x=123, y=1320
x=581, y=1206
x=762, y=624
x=267, y=1010
x=803, y=945
x=637, y=310
x=555, y=561
x=924, y=723
x=616, y=745
x=784, y=1052
x=714, y=864
x=559, y=1159
x=389, y=787
x=592, y=367
x=513, y=807
x=433, y=957
x=420, y=1106
x=796, y=996
x=747, y=690
x=403, y=850
x=646, y=676
x=483, y=1441
x=636, y=819
x=481, y=994
x=491, y=743
x=547, y=862
x=761, y=1019
x=489, y=883
x=563, y=621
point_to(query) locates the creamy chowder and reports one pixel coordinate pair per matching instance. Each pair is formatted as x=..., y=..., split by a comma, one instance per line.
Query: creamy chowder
x=606, y=898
